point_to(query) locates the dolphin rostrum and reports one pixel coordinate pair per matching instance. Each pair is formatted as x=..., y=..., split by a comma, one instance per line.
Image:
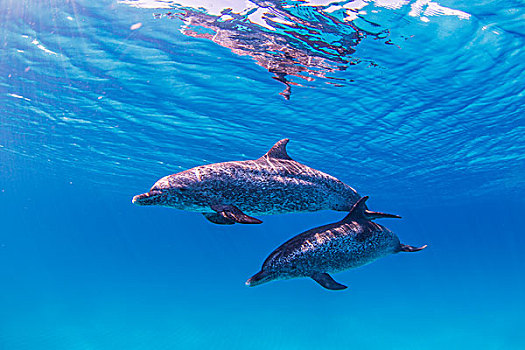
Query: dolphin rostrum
x=351, y=242
x=226, y=193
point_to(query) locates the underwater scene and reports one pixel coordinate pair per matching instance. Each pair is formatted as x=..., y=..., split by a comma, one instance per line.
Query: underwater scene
x=262, y=174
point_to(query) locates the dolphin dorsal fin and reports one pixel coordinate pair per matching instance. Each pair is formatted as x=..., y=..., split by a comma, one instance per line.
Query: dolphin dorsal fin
x=278, y=151
x=358, y=210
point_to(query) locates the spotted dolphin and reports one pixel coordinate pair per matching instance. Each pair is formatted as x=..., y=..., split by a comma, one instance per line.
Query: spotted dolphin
x=351, y=242
x=230, y=192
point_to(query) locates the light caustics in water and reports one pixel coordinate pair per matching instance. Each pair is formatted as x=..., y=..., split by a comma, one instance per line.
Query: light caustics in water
x=299, y=38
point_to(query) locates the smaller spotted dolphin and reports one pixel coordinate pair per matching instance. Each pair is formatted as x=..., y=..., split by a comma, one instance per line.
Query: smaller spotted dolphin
x=229, y=192
x=351, y=242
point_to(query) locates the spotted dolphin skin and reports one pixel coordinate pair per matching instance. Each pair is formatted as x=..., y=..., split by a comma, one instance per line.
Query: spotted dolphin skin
x=225, y=193
x=351, y=242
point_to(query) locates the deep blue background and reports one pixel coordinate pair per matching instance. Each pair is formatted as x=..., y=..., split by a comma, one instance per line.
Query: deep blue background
x=435, y=135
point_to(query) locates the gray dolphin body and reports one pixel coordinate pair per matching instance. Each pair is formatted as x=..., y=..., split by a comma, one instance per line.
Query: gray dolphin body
x=351, y=242
x=273, y=184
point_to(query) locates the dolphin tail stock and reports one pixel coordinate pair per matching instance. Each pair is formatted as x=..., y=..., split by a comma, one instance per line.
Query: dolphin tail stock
x=231, y=214
x=409, y=248
x=326, y=281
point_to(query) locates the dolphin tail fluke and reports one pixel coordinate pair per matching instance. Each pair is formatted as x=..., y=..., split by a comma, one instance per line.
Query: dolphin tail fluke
x=360, y=210
x=326, y=281
x=410, y=249
x=378, y=215
x=234, y=214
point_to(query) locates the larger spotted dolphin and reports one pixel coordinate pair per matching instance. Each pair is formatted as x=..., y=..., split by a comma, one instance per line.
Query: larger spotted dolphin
x=226, y=193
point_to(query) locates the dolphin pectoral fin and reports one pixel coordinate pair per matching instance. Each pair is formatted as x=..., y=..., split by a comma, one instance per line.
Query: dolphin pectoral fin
x=410, y=249
x=231, y=212
x=218, y=219
x=327, y=281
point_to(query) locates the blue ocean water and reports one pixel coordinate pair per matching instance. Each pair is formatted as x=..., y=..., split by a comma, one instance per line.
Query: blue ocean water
x=418, y=104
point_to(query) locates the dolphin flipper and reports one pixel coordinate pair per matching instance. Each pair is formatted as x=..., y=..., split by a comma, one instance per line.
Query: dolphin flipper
x=218, y=219
x=327, y=281
x=234, y=214
x=410, y=249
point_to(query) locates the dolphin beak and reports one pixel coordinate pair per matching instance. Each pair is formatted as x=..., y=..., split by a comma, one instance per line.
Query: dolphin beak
x=259, y=278
x=138, y=198
x=147, y=198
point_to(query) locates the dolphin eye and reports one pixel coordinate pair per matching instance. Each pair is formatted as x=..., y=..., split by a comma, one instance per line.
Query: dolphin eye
x=154, y=192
